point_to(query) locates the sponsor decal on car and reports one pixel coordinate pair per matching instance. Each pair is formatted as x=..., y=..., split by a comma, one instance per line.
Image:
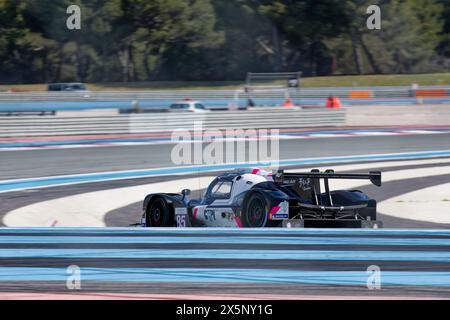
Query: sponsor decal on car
x=210, y=215
x=280, y=212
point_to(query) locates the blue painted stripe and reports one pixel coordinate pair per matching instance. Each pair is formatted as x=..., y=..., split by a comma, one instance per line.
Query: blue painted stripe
x=78, y=142
x=227, y=276
x=84, y=178
x=233, y=240
x=164, y=103
x=219, y=231
x=229, y=254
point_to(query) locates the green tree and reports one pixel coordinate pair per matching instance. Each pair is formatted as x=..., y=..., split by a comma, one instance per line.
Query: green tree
x=444, y=45
x=167, y=28
x=12, y=31
x=408, y=38
x=300, y=28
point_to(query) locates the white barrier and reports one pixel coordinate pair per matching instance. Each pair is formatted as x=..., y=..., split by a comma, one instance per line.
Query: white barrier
x=167, y=122
x=343, y=92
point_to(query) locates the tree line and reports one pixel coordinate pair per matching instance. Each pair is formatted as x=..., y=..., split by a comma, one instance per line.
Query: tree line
x=216, y=40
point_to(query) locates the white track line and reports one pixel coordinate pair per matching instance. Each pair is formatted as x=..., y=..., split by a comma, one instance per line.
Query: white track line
x=430, y=204
x=89, y=209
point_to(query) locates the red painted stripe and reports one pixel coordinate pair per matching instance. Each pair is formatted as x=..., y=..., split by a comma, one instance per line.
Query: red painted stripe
x=168, y=134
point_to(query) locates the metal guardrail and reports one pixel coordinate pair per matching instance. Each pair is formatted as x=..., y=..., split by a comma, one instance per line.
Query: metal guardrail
x=168, y=122
x=175, y=95
x=50, y=102
x=343, y=92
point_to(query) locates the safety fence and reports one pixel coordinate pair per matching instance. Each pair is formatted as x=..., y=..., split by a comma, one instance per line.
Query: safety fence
x=51, y=102
x=167, y=122
x=342, y=92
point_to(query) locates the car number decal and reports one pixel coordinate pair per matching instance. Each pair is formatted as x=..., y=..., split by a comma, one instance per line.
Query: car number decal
x=181, y=217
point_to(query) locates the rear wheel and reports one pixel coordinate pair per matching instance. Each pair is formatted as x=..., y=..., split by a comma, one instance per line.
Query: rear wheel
x=159, y=213
x=256, y=211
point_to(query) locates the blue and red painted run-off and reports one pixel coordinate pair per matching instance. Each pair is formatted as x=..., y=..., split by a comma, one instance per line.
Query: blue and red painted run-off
x=104, y=140
x=252, y=256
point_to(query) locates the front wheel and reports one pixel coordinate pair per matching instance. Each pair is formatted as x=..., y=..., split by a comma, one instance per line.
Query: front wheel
x=255, y=213
x=159, y=213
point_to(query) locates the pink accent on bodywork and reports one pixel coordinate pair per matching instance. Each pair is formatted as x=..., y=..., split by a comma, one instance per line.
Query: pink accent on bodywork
x=255, y=171
x=274, y=210
x=238, y=222
x=195, y=212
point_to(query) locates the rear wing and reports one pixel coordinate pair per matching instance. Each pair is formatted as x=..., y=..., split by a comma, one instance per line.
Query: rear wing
x=309, y=183
x=288, y=178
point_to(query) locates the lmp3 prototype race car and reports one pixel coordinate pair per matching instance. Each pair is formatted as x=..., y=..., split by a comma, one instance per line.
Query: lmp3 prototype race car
x=255, y=198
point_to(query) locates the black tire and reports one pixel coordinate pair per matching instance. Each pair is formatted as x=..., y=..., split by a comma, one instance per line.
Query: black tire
x=159, y=213
x=256, y=212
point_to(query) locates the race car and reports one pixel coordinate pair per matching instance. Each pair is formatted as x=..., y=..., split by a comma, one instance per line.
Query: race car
x=256, y=198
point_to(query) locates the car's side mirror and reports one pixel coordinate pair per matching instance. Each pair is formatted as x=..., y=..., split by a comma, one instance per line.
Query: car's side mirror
x=186, y=192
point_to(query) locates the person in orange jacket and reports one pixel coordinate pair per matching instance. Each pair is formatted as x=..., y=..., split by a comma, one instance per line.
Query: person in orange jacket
x=333, y=102
x=288, y=103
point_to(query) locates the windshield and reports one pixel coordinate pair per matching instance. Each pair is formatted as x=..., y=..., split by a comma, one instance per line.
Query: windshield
x=222, y=189
x=179, y=106
x=77, y=87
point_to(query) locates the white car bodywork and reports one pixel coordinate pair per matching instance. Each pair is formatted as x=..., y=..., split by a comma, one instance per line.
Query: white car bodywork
x=219, y=213
x=188, y=106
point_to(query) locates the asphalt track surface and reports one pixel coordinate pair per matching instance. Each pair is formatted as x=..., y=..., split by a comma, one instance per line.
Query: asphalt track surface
x=124, y=216
x=413, y=263
x=28, y=164
x=39, y=163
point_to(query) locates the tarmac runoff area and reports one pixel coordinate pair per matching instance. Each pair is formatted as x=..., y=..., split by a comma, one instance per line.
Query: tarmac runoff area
x=431, y=204
x=209, y=263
